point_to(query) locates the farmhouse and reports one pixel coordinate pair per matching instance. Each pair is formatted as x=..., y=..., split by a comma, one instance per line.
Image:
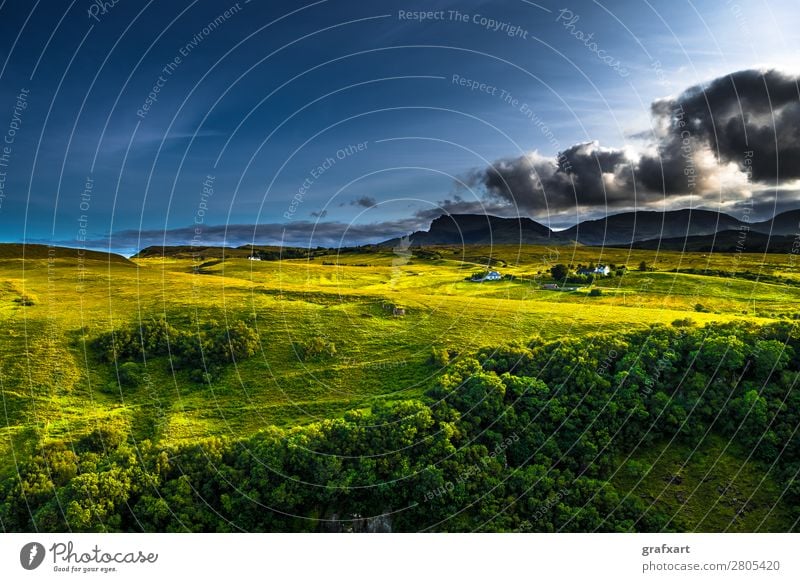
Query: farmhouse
x=602, y=270
x=490, y=276
x=254, y=258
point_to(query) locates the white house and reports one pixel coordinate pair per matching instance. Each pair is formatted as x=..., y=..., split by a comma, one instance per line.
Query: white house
x=490, y=276
x=602, y=270
x=254, y=258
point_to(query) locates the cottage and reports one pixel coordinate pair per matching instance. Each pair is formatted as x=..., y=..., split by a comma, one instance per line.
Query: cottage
x=254, y=258
x=490, y=276
x=602, y=270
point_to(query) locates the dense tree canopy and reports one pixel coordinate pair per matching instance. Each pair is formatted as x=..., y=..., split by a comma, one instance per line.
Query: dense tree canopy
x=202, y=351
x=521, y=437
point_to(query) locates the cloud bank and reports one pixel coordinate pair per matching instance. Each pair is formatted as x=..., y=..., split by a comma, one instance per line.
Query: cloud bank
x=718, y=141
x=733, y=142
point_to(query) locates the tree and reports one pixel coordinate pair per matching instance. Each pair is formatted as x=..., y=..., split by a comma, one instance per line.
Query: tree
x=643, y=266
x=315, y=348
x=129, y=375
x=559, y=272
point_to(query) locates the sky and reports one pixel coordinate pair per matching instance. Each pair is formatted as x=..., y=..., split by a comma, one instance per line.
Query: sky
x=126, y=124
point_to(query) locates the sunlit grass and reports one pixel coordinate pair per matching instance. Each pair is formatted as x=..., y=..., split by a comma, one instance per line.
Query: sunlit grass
x=54, y=386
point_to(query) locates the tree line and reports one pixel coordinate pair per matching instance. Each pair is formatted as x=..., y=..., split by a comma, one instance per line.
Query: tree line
x=518, y=437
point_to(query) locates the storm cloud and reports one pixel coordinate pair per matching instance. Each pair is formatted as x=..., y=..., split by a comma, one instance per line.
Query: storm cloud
x=712, y=139
x=746, y=111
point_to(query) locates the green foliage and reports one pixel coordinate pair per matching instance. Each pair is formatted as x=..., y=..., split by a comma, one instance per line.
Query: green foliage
x=559, y=272
x=536, y=436
x=129, y=374
x=52, y=391
x=203, y=352
x=595, y=292
x=315, y=348
x=440, y=357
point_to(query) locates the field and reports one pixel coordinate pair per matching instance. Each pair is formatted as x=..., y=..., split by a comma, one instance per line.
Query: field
x=384, y=311
x=348, y=298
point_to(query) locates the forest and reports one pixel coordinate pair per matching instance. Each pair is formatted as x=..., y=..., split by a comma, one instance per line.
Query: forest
x=538, y=435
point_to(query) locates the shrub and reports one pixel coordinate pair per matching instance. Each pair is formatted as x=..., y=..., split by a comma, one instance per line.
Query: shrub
x=559, y=272
x=203, y=352
x=595, y=293
x=129, y=375
x=440, y=357
x=25, y=300
x=102, y=439
x=315, y=349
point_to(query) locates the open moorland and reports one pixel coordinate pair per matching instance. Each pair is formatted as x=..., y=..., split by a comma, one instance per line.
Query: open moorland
x=234, y=346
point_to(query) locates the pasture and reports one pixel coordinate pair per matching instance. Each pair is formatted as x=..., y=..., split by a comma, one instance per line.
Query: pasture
x=384, y=310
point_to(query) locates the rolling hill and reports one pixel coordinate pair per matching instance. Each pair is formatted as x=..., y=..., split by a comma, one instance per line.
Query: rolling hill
x=785, y=223
x=630, y=227
x=38, y=251
x=726, y=241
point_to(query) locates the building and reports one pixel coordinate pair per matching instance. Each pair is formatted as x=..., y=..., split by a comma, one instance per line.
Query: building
x=602, y=270
x=490, y=276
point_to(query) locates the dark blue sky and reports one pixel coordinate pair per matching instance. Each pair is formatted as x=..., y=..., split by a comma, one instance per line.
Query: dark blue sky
x=266, y=104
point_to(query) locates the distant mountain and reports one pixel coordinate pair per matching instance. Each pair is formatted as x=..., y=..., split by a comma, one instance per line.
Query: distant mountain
x=726, y=241
x=641, y=229
x=481, y=229
x=36, y=251
x=785, y=223
x=630, y=227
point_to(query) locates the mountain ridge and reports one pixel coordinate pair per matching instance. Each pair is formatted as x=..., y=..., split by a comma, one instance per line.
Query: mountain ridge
x=621, y=229
x=624, y=228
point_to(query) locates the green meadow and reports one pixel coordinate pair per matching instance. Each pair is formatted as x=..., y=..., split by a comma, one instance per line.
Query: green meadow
x=53, y=384
x=385, y=314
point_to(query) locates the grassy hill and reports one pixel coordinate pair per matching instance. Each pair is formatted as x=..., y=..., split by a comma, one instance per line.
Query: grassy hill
x=37, y=251
x=55, y=387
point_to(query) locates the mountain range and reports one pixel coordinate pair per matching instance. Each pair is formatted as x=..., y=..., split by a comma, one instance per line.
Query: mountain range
x=669, y=230
x=689, y=230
